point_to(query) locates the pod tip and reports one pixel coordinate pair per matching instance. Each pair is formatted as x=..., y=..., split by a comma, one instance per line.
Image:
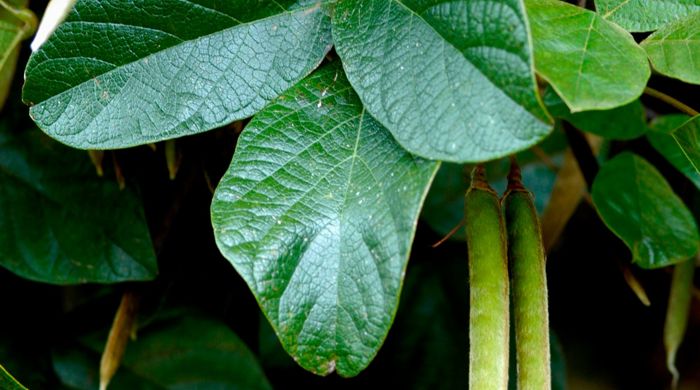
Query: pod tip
x=515, y=177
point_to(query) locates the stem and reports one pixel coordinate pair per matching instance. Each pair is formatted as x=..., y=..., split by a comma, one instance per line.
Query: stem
x=26, y=16
x=449, y=234
x=671, y=101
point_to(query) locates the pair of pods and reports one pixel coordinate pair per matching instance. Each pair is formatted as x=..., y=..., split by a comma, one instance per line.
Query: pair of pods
x=499, y=231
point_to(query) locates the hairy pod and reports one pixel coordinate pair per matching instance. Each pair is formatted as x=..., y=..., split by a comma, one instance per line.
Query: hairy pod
x=488, y=286
x=677, y=313
x=528, y=286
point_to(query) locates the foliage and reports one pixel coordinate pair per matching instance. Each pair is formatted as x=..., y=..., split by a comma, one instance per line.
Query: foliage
x=338, y=120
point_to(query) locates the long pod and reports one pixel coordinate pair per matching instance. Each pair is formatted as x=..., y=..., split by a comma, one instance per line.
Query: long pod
x=488, y=286
x=677, y=313
x=528, y=285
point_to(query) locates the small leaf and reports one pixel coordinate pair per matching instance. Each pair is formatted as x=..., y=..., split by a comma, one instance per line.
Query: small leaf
x=680, y=145
x=645, y=15
x=624, y=122
x=451, y=80
x=117, y=74
x=187, y=352
x=591, y=63
x=639, y=206
x=317, y=213
x=674, y=50
x=61, y=223
x=8, y=382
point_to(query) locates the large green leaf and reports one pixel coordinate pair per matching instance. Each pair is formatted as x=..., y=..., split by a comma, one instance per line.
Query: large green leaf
x=317, y=213
x=639, y=206
x=591, y=63
x=679, y=141
x=451, y=80
x=8, y=382
x=624, y=122
x=674, y=50
x=120, y=73
x=191, y=352
x=61, y=223
x=645, y=15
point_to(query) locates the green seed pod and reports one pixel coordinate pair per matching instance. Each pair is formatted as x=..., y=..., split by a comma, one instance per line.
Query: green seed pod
x=677, y=313
x=488, y=286
x=529, y=286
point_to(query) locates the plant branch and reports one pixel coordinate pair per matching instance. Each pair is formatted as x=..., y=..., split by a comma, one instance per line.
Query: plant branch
x=671, y=101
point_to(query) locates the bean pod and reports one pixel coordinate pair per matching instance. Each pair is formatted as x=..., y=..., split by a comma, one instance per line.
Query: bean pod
x=488, y=286
x=529, y=286
x=677, y=313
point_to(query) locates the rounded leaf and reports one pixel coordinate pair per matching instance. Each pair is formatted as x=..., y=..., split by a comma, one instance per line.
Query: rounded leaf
x=317, y=213
x=451, y=80
x=639, y=206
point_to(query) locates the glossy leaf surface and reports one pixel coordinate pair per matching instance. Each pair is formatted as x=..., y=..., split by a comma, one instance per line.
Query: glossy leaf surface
x=118, y=73
x=591, y=63
x=674, y=50
x=639, y=206
x=317, y=213
x=645, y=15
x=678, y=139
x=451, y=80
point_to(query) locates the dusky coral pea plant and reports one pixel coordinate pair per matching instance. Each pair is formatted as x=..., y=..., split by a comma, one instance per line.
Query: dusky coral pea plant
x=346, y=126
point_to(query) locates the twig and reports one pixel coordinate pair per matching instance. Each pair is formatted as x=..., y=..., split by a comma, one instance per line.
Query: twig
x=449, y=234
x=671, y=101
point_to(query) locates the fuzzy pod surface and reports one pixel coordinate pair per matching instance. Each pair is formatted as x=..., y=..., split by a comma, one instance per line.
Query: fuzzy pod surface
x=488, y=286
x=528, y=286
x=677, y=314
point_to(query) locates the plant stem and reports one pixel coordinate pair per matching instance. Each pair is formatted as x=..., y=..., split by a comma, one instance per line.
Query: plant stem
x=671, y=101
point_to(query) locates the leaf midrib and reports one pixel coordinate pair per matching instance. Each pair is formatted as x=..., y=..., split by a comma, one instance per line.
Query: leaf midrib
x=305, y=10
x=530, y=63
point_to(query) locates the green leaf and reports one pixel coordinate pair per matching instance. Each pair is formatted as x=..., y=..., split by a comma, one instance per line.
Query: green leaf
x=61, y=223
x=680, y=144
x=317, y=213
x=15, y=26
x=451, y=80
x=591, y=63
x=8, y=382
x=639, y=206
x=189, y=352
x=118, y=74
x=624, y=122
x=674, y=50
x=645, y=15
